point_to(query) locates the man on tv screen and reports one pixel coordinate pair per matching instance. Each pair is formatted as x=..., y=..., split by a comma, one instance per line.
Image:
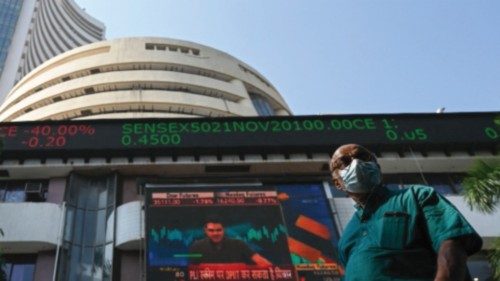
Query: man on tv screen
x=216, y=248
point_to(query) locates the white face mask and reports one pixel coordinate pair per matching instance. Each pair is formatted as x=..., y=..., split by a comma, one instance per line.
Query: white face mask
x=361, y=176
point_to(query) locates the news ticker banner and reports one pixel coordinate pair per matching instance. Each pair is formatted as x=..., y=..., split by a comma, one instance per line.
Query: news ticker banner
x=313, y=132
x=225, y=198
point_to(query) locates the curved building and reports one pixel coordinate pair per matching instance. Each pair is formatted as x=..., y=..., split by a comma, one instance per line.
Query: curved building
x=141, y=78
x=40, y=30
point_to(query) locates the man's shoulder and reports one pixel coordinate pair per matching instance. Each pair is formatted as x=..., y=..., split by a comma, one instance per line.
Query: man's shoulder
x=416, y=191
x=199, y=243
x=233, y=241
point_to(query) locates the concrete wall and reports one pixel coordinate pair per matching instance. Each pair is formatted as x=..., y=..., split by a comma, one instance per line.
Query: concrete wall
x=44, y=267
x=130, y=268
x=129, y=226
x=29, y=227
x=56, y=190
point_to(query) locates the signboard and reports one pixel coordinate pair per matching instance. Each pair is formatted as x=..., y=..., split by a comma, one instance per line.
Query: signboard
x=288, y=226
x=247, y=135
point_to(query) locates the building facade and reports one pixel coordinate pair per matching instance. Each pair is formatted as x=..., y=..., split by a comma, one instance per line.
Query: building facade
x=79, y=197
x=34, y=31
x=105, y=168
x=9, y=14
x=139, y=78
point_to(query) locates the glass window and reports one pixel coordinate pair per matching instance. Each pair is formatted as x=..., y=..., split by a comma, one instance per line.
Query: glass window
x=110, y=224
x=101, y=227
x=19, y=267
x=108, y=262
x=83, y=194
x=74, y=265
x=262, y=106
x=110, y=187
x=78, y=226
x=89, y=226
x=98, y=263
x=22, y=272
x=89, y=231
x=102, y=197
x=72, y=196
x=68, y=231
x=15, y=195
x=92, y=198
x=14, y=191
x=87, y=264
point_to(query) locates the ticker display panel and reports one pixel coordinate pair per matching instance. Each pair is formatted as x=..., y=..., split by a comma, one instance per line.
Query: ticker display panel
x=311, y=133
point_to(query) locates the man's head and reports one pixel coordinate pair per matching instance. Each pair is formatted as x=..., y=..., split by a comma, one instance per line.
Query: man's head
x=357, y=165
x=214, y=230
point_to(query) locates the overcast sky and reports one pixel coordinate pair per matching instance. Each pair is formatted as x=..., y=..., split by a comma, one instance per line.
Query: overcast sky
x=328, y=56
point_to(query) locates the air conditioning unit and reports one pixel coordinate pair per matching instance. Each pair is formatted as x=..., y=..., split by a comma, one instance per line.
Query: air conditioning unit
x=34, y=191
x=33, y=187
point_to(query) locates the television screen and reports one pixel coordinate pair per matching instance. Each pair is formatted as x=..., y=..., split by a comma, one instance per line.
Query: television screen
x=239, y=234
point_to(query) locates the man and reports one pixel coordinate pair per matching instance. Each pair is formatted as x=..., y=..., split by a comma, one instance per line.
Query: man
x=410, y=234
x=216, y=248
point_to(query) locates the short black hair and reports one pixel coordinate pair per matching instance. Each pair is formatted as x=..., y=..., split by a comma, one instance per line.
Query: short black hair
x=213, y=218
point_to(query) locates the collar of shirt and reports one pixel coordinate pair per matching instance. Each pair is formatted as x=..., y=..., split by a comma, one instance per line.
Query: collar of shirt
x=377, y=196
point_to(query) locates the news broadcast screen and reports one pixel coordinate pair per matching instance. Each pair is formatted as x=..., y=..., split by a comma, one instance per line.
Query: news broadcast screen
x=262, y=233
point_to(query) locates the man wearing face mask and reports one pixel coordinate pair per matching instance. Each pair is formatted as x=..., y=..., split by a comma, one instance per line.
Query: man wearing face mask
x=409, y=234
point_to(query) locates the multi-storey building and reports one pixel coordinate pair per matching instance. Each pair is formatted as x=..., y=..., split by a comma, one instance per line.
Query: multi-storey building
x=33, y=31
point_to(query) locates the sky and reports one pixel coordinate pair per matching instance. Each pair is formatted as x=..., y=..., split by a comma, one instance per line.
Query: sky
x=339, y=57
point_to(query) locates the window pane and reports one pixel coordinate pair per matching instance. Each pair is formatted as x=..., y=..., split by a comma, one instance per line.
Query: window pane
x=98, y=263
x=2, y=194
x=64, y=261
x=87, y=263
x=110, y=224
x=78, y=226
x=68, y=225
x=102, y=197
x=73, y=194
x=111, y=184
x=22, y=272
x=74, y=266
x=101, y=227
x=92, y=193
x=89, y=229
x=108, y=262
x=82, y=196
x=261, y=105
x=15, y=195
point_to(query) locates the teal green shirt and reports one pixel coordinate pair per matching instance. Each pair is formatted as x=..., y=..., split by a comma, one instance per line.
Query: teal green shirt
x=398, y=233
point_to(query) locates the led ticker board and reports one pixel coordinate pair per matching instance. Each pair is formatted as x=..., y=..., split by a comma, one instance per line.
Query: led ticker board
x=249, y=134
